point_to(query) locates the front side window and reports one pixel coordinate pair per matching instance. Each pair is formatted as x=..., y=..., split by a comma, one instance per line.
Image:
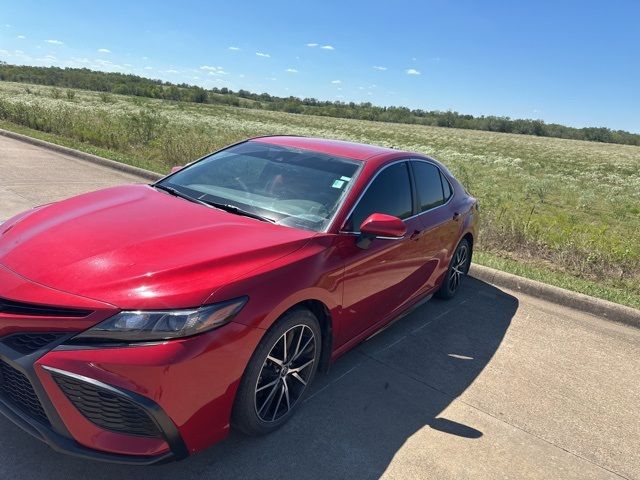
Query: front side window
x=390, y=193
x=428, y=185
x=292, y=187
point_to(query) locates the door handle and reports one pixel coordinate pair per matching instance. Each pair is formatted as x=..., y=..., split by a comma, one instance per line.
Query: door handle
x=456, y=216
x=415, y=235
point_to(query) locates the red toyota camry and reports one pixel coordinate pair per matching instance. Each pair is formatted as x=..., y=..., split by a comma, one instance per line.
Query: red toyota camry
x=138, y=324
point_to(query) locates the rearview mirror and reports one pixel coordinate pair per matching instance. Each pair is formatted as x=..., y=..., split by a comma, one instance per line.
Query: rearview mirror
x=380, y=225
x=177, y=168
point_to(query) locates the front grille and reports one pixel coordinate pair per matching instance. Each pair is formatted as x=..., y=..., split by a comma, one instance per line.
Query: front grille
x=36, y=310
x=107, y=409
x=27, y=343
x=17, y=390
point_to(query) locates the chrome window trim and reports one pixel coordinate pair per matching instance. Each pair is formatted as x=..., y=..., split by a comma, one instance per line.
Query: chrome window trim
x=384, y=167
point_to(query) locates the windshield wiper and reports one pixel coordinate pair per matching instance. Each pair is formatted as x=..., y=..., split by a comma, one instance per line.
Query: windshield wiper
x=239, y=211
x=222, y=206
x=178, y=193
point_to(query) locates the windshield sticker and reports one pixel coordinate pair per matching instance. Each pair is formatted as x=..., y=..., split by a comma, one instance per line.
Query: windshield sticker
x=338, y=184
x=346, y=179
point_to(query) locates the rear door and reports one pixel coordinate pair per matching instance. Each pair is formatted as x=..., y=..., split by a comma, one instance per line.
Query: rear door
x=438, y=226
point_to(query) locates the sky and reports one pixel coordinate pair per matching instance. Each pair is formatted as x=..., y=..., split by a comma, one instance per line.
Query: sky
x=571, y=62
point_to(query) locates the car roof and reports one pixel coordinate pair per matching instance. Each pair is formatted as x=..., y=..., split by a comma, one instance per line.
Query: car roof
x=338, y=148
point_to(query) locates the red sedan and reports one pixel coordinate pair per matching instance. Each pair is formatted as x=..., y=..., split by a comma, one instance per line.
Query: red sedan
x=138, y=324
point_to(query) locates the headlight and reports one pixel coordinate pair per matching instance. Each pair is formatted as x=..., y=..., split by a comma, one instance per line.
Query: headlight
x=145, y=326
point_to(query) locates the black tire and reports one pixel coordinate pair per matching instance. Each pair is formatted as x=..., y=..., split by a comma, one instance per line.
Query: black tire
x=458, y=269
x=287, y=382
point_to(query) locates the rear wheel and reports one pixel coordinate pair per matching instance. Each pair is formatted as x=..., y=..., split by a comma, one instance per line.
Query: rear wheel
x=278, y=374
x=458, y=269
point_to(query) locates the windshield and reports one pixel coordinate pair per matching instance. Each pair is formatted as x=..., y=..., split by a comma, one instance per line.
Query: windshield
x=292, y=187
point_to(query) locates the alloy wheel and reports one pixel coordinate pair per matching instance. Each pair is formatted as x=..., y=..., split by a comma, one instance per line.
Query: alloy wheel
x=285, y=373
x=458, y=267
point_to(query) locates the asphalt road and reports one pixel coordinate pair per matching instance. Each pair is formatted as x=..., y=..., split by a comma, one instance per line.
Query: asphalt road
x=493, y=384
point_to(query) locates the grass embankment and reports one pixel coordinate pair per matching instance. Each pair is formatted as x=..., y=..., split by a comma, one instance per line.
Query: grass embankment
x=561, y=211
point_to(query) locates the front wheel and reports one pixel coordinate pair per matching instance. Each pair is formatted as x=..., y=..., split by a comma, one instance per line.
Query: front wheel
x=278, y=374
x=458, y=268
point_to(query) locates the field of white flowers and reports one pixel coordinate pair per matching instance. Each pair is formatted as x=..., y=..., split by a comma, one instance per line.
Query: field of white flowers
x=567, y=207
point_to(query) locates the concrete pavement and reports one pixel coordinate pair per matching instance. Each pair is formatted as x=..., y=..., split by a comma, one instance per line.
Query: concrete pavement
x=493, y=384
x=31, y=176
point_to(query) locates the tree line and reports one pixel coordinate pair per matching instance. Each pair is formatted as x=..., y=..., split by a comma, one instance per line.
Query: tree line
x=128, y=84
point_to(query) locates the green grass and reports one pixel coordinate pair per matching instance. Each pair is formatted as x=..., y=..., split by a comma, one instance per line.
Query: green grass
x=564, y=212
x=559, y=279
x=77, y=145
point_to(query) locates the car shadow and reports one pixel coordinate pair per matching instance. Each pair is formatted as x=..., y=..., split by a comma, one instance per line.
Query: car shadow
x=356, y=417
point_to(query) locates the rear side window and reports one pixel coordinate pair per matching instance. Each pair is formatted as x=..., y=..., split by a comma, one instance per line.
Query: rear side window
x=446, y=187
x=429, y=185
x=389, y=193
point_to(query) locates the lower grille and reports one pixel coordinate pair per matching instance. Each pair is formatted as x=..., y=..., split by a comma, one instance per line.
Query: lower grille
x=106, y=409
x=27, y=343
x=17, y=390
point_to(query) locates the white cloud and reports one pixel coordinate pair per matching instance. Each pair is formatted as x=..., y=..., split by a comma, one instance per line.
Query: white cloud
x=412, y=71
x=380, y=69
x=265, y=55
x=291, y=70
x=21, y=37
x=4, y=52
x=145, y=58
x=336, y=82
x=55, y=42
x=214, y=70
x=148, y=68
x=235, y=49
x=48, y=57
x=273, y=79
x=171, y=71
x=104, y=50
x=327, y=47
x=128, y=65
x=312, y=45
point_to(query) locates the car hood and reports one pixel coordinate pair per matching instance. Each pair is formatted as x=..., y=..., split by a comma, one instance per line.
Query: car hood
x=136, y=247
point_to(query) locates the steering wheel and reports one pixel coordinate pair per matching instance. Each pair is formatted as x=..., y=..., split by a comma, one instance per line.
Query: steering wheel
x=242, y=184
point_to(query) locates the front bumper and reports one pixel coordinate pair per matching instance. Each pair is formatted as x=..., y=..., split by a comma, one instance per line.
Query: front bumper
x=64, y=443
x=186, y=387
x=33, y=410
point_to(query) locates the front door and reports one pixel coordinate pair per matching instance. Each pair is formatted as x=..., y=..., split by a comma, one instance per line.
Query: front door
x=382, y=278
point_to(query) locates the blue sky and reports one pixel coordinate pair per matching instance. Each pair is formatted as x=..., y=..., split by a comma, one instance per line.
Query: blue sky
x=570, y=62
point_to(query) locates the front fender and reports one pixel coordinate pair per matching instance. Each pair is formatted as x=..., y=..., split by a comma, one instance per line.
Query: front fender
x=311, y=273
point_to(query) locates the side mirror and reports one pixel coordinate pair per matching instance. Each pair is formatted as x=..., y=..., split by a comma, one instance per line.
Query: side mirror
x=380, y=225
x=177, y=168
